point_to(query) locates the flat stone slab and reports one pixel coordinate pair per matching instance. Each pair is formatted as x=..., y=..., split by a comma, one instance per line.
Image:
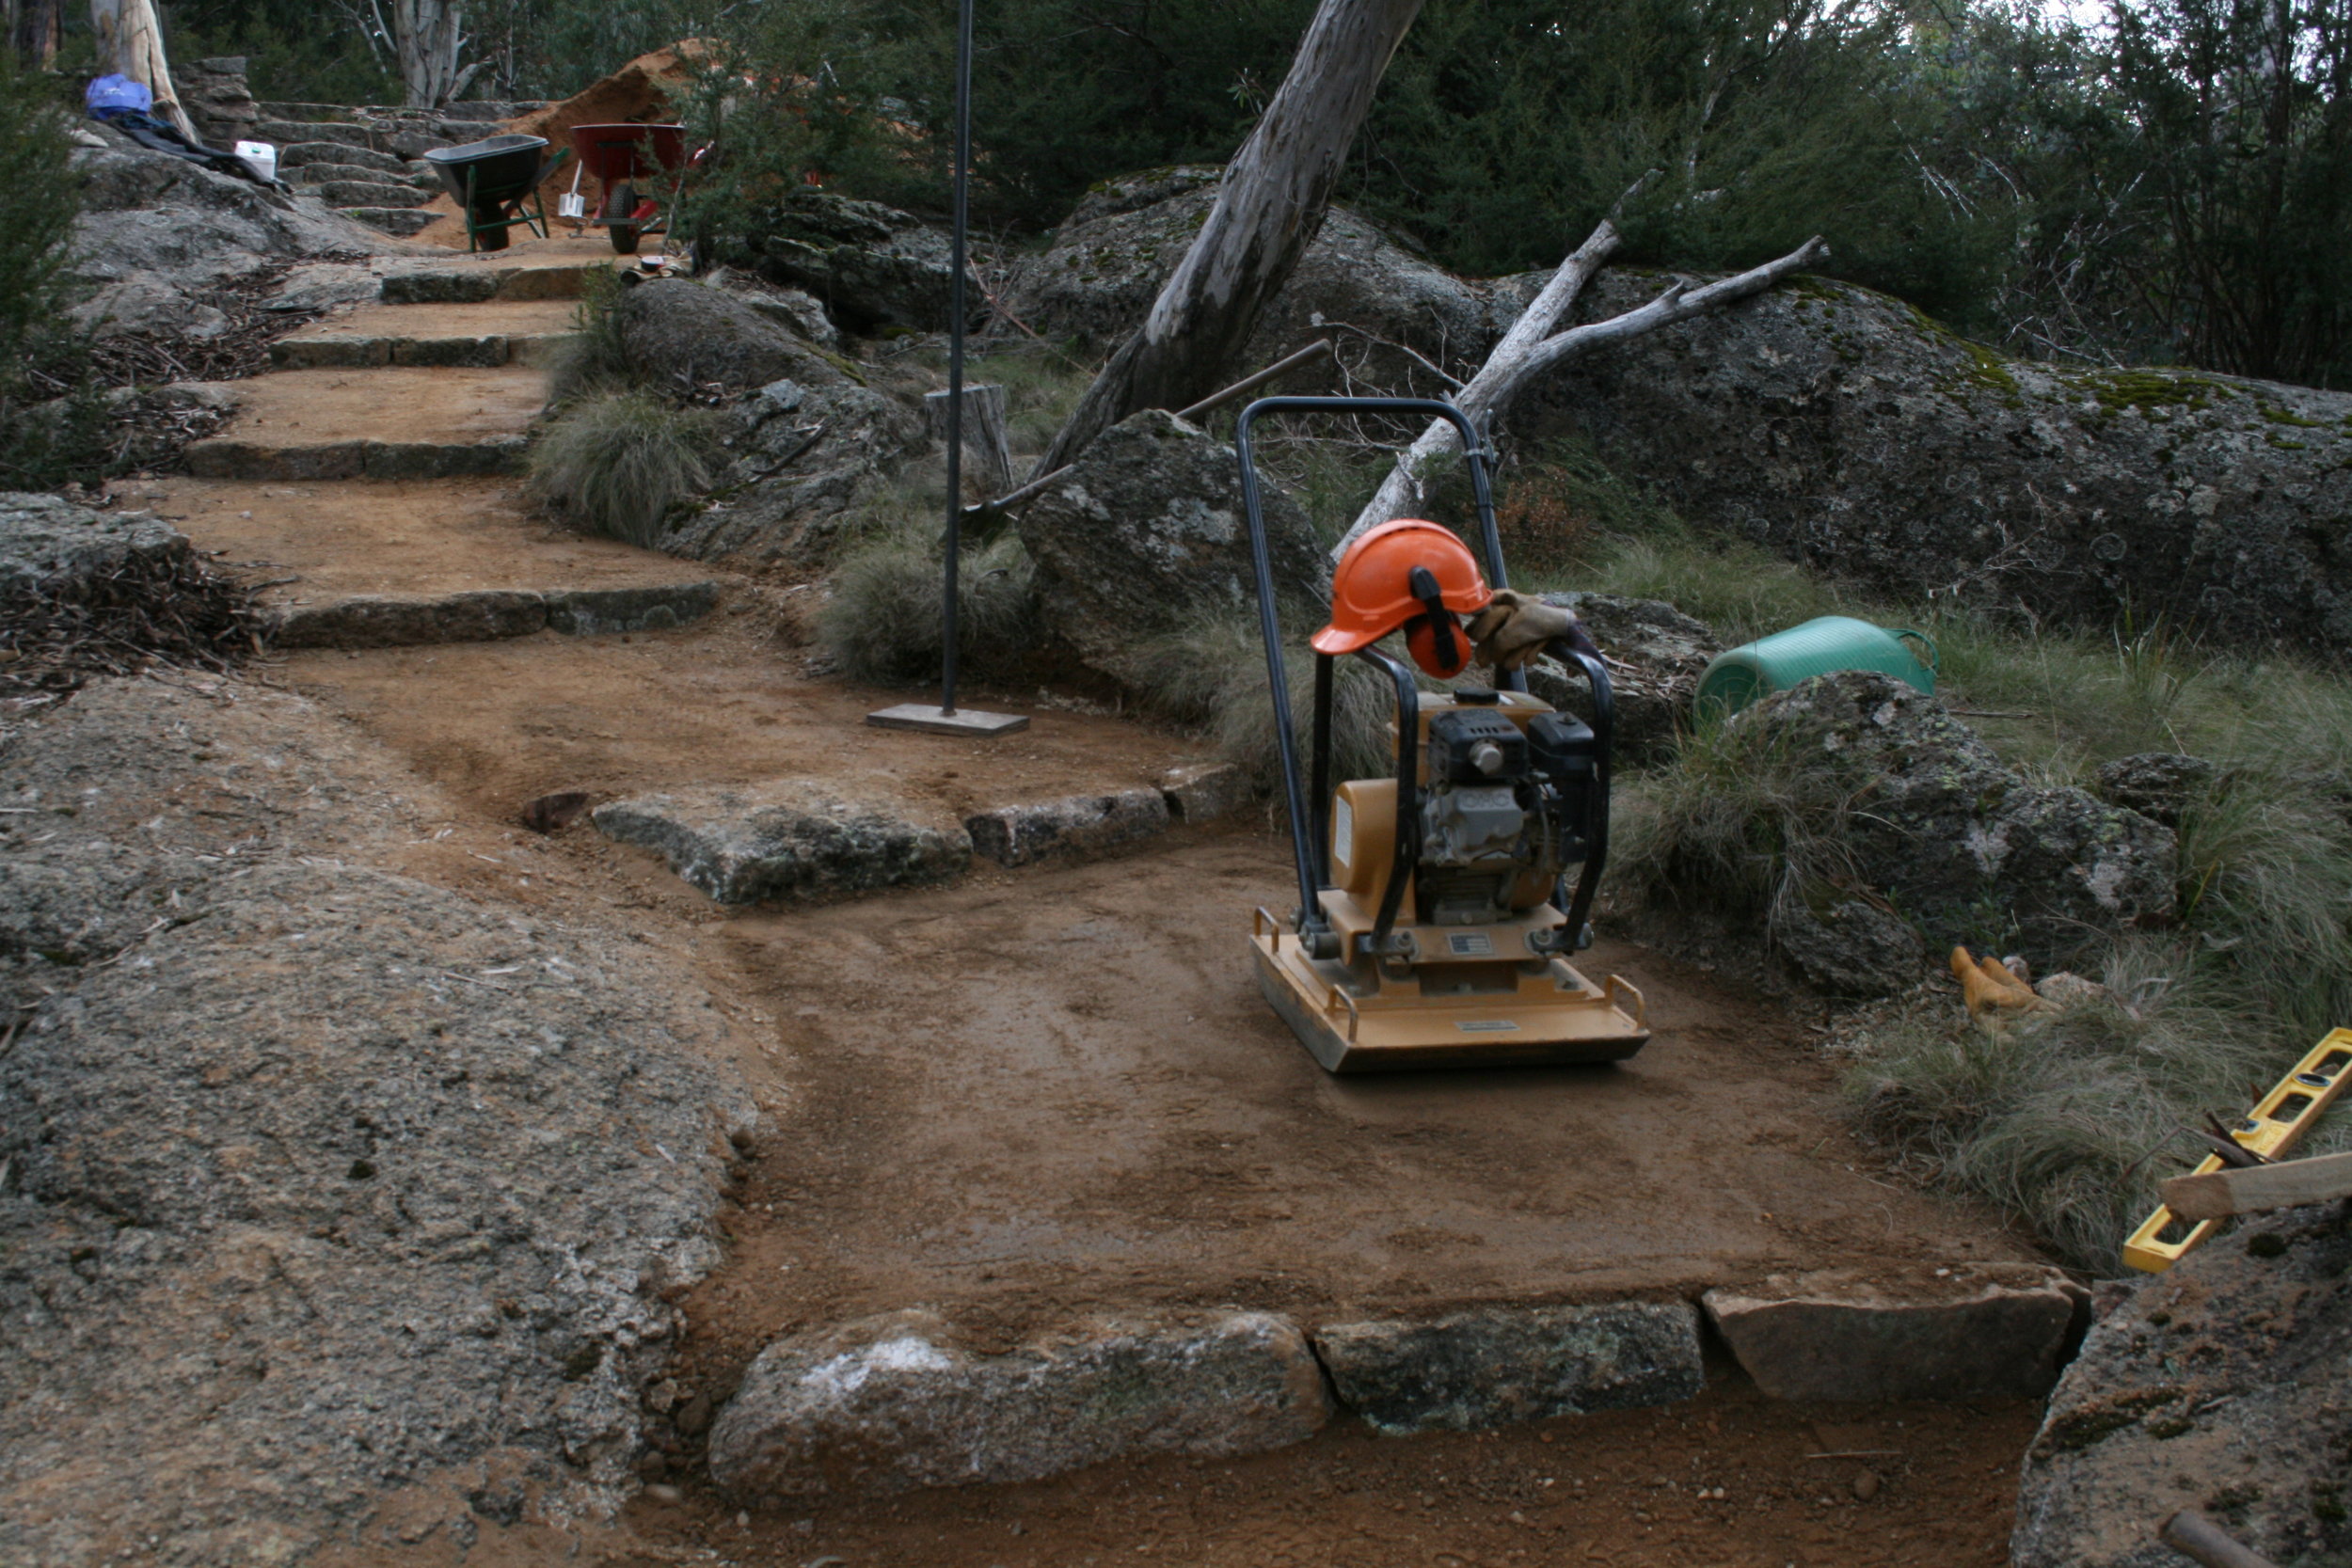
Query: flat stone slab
x=373, y=622
x=1203, y=792
x=1502, y=1364
x=654, y=606
x=473, y=285
x=1972, y=1332
x=1072, y=826
x=482, y=615
x=49, y=543
x=893, y=1404
x=788, y=838
x=223, y=457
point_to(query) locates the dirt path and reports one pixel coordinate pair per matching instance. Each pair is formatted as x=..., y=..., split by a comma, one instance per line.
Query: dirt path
x=1617, y=1490
x=1039, y=1093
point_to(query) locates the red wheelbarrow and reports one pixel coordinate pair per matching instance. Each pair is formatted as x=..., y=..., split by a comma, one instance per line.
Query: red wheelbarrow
x=623, y=158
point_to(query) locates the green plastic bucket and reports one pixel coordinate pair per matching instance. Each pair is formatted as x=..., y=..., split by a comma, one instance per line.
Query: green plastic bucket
x=1831, y=643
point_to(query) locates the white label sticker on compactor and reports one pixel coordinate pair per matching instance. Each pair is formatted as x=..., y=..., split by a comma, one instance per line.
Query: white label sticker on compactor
x=1343, y=829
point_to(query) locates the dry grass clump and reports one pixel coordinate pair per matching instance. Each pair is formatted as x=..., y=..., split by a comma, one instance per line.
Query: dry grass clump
x=883, y=622
x=616, y=462
x=1211, y=677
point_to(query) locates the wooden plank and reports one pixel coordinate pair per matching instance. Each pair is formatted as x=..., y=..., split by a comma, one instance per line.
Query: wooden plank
x=2218, y=1194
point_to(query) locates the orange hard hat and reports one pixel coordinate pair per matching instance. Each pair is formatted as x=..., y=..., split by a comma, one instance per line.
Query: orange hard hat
x=1404, y=571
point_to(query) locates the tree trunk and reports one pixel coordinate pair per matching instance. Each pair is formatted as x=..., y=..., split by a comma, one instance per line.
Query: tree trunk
x=33, y=26
x=1269, y=207
x=428, y=36
x=131, y=42
x=1526, y=354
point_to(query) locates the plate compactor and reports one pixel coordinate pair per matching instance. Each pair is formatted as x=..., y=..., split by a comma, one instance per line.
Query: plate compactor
x=1436, y=917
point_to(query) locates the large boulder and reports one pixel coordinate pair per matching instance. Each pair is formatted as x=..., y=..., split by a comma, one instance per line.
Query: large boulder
x=1144, y=535
x=802, y=457
x=2218, y=1386
x=1842, y=428
x=875, y=267
x=1354, y=283
x=1925, y=830
x=679, y=334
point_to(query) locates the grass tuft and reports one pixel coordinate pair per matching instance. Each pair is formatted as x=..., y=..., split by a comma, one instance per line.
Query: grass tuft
x=883, y=623
x=2073, y=1123
x=615, y=462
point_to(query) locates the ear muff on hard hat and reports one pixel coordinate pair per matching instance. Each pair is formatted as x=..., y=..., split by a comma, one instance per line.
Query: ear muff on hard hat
x=1407, y=574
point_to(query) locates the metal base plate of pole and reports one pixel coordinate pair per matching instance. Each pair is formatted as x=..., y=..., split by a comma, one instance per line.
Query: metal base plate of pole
x=933, y=719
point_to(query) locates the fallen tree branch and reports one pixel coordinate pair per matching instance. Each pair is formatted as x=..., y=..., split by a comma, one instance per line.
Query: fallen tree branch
x=1526, y=353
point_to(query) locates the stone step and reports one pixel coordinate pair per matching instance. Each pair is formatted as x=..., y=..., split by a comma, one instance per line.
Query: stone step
x=377, y=424
x=476, y=284
x=362, y=174
x=365, y=193
x=272, y=110
x=222, y=458
x=286, y=132
x=400, y=222
x=527, y=333
x=309, y=155
x=386, y=620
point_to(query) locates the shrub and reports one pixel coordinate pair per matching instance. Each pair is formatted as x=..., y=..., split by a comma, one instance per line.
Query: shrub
x=616, y=463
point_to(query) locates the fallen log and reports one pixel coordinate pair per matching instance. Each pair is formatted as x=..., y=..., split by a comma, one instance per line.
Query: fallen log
x=1526, y=353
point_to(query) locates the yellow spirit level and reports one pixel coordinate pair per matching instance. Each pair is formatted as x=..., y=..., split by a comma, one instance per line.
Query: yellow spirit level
x=2275, y=1125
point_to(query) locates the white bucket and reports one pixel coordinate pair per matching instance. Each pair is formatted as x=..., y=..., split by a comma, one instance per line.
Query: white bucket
x=260, y=157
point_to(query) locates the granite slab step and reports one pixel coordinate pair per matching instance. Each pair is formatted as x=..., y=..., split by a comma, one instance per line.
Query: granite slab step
x=283, y=131
x=475, y=285
x=312, y=154
x=482, y=615
x=227, y=458
x=365, y=193
x=399, y=222
x=345, y=175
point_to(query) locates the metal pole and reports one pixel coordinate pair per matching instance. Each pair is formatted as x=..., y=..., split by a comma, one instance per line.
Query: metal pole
x=955, y=353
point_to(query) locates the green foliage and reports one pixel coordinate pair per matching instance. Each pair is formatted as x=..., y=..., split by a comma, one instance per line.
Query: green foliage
x=883, y=623
x=54, y=424
x=596, y=358
x=617, y=461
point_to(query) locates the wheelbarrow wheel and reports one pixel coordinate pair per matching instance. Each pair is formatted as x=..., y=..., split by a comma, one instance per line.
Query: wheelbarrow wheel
x=622, y=201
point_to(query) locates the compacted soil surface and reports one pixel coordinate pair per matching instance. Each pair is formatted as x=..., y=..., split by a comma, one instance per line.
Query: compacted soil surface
x=1729, y=1479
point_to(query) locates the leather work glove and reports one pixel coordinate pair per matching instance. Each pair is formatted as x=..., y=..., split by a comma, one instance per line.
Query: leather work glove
x=1515, y=628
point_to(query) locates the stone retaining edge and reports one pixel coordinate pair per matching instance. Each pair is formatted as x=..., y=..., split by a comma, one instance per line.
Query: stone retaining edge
x=892, y=1402
x=382, y=621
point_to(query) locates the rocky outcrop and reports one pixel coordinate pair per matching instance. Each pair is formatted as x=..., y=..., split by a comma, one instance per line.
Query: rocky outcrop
x=1352, y=283
x=1841, y=428
x=896, y=1402
x=2217, y=1386
x=1917, y=826
x=218, y=102
x=48, y=543
x=803, y=458
x=157, y=230
x=678, y=333
x=325, y=1182
x=1145, y=533
x=876, y=268
x=2157, y=784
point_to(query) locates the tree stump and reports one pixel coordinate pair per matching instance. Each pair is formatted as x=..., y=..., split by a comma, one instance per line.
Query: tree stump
x=987, y=443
